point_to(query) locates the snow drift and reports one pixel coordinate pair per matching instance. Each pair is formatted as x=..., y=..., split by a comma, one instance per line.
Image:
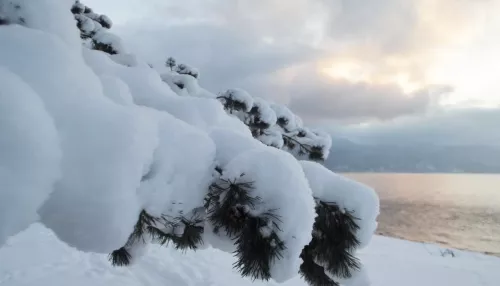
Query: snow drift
x=89, y=140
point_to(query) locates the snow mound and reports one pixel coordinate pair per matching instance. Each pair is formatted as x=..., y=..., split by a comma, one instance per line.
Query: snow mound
x=286, y=119
x=30, y=156
x=180, y=172
x=148, y=89
x=125, y=59
x=116, y=90
x=110, y=41
x=35, y=257
x=349, y=195
x=98, y=181
x=91, y=138
x=185, y=85
x=280, y=183
x=33, y=14
x=187, y=70
x=265, y=112
x=237, y=98
x=230, y=144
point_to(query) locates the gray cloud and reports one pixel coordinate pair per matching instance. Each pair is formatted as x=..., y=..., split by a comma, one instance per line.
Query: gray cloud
x=318, y=98
x=343, y=100
x=380, y=24
x=224, y=56
x=227, y=59
x=472, y=126
x=272, y=49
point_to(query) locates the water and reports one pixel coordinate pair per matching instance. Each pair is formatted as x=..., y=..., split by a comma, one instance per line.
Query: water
x=455, y=210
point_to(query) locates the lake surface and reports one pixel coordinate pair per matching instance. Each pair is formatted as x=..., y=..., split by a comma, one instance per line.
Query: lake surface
x=455, y=210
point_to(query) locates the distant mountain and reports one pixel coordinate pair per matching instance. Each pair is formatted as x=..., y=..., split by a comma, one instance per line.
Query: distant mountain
x=348, y=156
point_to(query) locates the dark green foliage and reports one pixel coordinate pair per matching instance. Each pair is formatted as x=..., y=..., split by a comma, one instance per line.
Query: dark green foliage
x=255, y=250
x=254, y=122
x=4, y=21
x=77, y=9
x=170, y=63
x=182, y=232
x=312, y=273
x=83, y=15
x=192, y=232
x=103, y=21
x=292, y=139
x=230, y=207
x=109, y=49
x=120, y=257
x=232, y=213
x=282, y=122
x=314, y=153
x=230, y=103
x=179, y=84
x=191, y=238
x=140, y=227
x=79, y=24
x=334, y=239
x=185, y=69
x=13, y=19
x=302, y=133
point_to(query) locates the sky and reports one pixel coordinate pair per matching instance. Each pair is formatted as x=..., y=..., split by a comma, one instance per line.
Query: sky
x=403, y=67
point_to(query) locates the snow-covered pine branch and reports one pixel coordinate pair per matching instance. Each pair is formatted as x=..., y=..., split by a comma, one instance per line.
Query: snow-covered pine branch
x=93, y=27
x=273, y=124
x=87, y=150
x=171, y=63
x=187, y=70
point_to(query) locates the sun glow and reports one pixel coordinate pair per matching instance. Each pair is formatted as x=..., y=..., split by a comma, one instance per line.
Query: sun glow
x=357, y=72
x=452, y=45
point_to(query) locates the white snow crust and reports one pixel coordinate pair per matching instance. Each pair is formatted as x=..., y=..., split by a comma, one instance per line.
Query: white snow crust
x=30, y=154
x=350, y=195
x=36, y=257
x=89, y=140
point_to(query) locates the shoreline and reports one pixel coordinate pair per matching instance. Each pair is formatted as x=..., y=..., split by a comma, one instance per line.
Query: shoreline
x=437, y=243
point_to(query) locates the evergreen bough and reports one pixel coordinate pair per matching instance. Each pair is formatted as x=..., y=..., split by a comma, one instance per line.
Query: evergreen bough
x=230, y=206
x=232, y=209
x=331, y=248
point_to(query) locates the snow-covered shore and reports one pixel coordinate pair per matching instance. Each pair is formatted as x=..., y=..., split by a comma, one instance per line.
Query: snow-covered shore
x=36, y=257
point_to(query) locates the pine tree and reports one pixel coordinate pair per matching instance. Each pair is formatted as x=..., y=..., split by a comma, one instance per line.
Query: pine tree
x=295, y=138
x=170, y=63
x=330, y=249
x=185, y=69
x=230, y=203
x=183, y=232
x=235, y=101
x=230, y=209
x=93, y=29
x=334, y=240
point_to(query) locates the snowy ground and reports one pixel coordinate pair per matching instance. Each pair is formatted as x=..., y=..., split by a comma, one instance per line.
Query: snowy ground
x=35, y=257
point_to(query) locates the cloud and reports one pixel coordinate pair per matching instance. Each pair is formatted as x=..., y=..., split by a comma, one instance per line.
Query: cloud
x=224, y=56
x=322, y=100
x=466, y=126
x=286, y=73
x=317, y=97
x=381, y=24
x=280, y=51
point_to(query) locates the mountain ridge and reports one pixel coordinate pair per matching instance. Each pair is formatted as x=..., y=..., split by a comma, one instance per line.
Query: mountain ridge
x=347, y=155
